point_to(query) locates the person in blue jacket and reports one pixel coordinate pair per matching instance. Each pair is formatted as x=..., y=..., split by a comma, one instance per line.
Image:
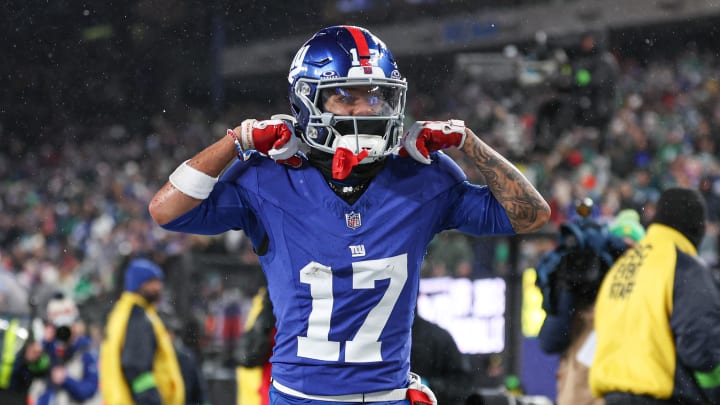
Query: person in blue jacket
x=63, y=366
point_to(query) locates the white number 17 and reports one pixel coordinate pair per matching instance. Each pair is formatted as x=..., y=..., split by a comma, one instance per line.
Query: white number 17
x=365, y=346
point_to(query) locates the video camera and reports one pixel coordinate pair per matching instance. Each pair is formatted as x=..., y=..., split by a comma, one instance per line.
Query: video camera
x=584, y=253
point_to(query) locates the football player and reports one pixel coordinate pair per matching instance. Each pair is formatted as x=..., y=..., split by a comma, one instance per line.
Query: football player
x=340, y=204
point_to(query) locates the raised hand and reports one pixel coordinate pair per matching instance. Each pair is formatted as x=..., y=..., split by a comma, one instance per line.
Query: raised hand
x=419, y=393
x=273, y=137
x=58, y=374
x=428, y=136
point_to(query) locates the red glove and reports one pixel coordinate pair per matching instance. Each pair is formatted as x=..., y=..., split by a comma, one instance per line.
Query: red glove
x=273, y=137
x=428, y=136
x=419, y=393
x=417, y=397
x=266, y=136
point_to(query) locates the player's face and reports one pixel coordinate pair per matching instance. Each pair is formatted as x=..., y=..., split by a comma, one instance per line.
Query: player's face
x=356, y=101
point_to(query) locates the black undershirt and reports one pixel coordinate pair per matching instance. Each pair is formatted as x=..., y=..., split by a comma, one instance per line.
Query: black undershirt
x=352, y=187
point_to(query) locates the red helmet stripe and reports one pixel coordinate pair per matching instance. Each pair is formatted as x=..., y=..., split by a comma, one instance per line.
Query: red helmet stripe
x=362, y=46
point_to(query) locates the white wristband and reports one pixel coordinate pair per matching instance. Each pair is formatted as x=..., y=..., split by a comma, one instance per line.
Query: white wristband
x=192, y=182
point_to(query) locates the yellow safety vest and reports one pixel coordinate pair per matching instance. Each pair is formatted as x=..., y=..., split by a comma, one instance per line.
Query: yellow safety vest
x=11, y=344
x=166, y=370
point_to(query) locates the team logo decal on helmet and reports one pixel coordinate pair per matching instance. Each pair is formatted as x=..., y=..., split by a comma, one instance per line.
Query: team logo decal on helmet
x=342, y=61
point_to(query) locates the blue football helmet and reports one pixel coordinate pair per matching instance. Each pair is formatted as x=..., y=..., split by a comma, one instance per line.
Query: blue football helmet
x=347, y=63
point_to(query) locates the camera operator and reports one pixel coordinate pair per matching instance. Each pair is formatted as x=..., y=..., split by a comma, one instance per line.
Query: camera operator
x=569, y=278
x=63, y=367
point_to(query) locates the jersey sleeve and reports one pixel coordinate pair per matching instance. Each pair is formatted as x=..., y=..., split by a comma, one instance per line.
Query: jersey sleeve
x=472, y=209
x=695, y=321
x=224, y=210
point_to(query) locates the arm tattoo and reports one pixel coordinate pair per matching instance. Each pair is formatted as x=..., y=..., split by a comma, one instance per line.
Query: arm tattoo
x=522, y=202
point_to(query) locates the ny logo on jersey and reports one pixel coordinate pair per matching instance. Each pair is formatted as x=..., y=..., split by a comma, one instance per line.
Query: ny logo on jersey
x=357, y=251
x=352, y=220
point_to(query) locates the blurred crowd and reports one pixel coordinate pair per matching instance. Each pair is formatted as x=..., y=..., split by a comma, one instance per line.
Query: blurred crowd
x=664, y=132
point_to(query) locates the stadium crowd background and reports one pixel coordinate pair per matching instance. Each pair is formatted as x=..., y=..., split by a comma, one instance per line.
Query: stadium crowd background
x=98, y=105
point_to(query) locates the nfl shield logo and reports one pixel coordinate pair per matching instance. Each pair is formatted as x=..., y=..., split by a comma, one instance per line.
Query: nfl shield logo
x=352, y=220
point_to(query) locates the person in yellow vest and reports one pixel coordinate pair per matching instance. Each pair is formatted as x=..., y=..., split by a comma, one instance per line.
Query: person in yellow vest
x=138, y=364
x=254, y=351
x=12, y=340
x=657, y=314
x=62, y=366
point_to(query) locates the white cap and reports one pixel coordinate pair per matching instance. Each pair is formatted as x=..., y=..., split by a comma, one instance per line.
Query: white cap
x=62, y=311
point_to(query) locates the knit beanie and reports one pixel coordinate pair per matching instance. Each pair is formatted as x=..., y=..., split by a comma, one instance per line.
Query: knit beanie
x=140, y=271
x=684, y=210
x=627, y=225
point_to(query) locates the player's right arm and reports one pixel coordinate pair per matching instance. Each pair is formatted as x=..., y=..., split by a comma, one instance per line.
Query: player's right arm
x=193, y=180
x=169, y=202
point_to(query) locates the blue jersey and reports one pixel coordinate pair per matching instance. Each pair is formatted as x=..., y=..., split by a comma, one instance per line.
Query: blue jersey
x=343, y=278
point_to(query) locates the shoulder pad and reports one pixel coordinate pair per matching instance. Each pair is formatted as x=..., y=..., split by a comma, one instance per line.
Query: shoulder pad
x=423, y=181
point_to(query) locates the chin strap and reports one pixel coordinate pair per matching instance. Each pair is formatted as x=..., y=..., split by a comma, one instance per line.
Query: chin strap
x=344, y=160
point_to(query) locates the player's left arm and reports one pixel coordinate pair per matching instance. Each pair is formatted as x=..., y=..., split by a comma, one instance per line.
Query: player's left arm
x=526, y=209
